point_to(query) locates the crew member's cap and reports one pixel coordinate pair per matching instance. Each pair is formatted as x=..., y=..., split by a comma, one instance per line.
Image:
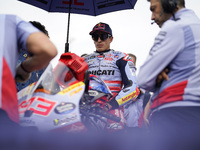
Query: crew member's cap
x=102, y=27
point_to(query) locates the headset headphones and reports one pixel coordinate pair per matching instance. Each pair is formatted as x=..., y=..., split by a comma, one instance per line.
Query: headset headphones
x=169, y=6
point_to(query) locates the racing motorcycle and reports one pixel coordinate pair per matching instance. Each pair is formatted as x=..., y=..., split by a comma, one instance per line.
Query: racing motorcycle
x=65, y=99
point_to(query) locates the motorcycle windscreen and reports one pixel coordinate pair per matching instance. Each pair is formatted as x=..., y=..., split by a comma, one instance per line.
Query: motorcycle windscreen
x=52, y=102
x=51, y=82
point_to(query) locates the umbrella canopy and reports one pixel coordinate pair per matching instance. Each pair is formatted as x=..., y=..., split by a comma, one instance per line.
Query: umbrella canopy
x=86, y=7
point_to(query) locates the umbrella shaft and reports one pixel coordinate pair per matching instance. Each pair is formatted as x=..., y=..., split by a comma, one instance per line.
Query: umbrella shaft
x=67, y=43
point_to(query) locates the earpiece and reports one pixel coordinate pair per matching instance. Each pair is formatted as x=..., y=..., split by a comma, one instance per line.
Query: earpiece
x=169, y=6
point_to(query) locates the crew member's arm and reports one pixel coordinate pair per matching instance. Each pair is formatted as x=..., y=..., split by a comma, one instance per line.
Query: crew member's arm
x=166, y=46
x=147, y=110
x=42, y=50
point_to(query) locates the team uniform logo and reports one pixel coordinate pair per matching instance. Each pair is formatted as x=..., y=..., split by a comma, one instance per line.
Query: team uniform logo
x=100, y=56
x=99, y=26
x=158, y=40
x=116, y=56
x=102, y=72
x=108, y=58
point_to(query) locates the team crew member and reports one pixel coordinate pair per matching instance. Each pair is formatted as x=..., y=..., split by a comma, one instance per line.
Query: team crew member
x=176, y=101
x=114, y=67
x=23, y=55
x=17, y=34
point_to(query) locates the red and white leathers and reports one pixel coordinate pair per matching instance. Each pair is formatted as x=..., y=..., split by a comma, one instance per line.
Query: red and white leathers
x=116, y=69
x=14, y=34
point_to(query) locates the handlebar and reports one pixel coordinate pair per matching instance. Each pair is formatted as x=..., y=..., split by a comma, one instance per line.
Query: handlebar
x=106, y=114
x=97, y=110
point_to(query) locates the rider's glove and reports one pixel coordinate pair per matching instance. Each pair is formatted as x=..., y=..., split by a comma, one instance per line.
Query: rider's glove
x=22, y=75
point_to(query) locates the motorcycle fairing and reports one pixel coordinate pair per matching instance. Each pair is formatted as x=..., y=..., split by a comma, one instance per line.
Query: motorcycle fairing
x=48, y=112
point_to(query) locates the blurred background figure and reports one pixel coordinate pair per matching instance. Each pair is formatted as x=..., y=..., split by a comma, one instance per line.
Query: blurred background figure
x=133, y=57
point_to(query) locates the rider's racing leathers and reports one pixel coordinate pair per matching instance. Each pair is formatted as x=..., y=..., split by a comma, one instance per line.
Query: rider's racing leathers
x=116, y=69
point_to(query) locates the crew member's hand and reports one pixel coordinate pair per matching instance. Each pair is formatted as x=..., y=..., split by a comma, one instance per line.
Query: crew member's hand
x=162, y=76
x=21, y=74
x=146, y=122
x=107, y=107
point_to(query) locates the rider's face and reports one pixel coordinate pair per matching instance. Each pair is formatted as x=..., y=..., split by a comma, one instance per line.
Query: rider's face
x=158, y=15
x=102, y=45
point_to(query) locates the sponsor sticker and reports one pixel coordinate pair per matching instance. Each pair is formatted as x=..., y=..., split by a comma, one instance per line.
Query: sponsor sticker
x=127, y=98
x=100, y=56
x=71, y=88
x=116, y=56
x=65, y=108
x=92, y=57
x=108, y=58
x=66, y=120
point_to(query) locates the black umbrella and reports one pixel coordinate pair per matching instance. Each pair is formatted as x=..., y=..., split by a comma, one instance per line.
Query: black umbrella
x=86, y=7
